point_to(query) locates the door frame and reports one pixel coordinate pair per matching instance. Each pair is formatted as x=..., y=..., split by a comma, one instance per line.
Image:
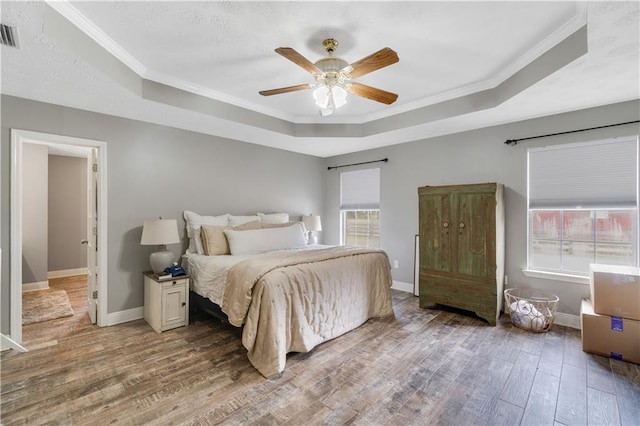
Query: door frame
x=18, y=139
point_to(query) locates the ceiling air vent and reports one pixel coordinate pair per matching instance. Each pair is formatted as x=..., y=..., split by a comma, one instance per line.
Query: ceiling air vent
x=9, y=36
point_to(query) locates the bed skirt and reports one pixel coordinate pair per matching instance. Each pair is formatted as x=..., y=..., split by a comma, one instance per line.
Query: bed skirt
x=202, y=303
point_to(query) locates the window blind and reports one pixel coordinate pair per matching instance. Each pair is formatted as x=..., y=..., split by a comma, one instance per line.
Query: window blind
x=585, y=175
x=360, y=189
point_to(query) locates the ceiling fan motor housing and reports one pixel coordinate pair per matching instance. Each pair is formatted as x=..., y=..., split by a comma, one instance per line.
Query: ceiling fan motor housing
x=331, y=68
x=330, y=63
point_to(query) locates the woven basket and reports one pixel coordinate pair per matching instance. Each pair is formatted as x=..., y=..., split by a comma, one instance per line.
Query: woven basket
x=531, y=309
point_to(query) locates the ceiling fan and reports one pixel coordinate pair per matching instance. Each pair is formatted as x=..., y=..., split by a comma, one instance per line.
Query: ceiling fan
x=334, y=77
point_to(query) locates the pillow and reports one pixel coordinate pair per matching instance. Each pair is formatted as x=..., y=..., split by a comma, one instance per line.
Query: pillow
x=266, y=225
x=214, y=242
x=274, y=217
x=261, y=240
x=193, y=223
x=240, y=220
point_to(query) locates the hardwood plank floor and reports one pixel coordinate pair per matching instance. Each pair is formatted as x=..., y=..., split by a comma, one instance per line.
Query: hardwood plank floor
x=42, y=334
x=425, y=366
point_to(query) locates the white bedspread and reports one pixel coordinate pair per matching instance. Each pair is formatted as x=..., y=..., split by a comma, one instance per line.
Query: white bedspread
x=209, y=273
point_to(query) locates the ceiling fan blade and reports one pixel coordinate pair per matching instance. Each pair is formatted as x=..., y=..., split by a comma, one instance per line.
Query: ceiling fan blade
x=299, y=60
x=375, y=61
x=372, y=93
x=285, y=89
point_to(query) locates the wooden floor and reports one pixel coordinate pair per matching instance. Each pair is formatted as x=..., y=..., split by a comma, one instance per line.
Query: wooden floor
x=42, y=334
x=421, y=367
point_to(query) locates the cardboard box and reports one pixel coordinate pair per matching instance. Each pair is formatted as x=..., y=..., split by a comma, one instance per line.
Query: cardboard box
x=612, y=337
x=615, y=290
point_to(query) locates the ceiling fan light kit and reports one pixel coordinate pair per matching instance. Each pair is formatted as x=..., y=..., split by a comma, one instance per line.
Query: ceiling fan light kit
x=334, y=77
x=329, y=98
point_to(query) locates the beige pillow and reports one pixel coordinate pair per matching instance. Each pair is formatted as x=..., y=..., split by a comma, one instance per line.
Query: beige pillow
x=276, y=225
x=214, y=242
x=194, y=221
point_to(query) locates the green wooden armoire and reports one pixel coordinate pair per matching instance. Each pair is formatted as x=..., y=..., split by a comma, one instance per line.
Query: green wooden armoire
x=462, y=247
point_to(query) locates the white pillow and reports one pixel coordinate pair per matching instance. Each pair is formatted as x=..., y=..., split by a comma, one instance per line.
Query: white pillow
x=194, y=221
x=241, y=220
x=274, y=217
x=261, y=240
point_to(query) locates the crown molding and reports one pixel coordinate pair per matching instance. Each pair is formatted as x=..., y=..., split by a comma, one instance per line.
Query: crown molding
x=74, y=16
x=64, y=8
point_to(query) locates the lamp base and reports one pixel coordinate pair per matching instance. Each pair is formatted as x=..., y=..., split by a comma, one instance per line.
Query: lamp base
x=160, y=260
x=313, y=238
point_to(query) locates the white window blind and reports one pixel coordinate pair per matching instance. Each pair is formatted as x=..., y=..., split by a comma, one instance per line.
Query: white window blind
x=585, y=175
x=360, y=189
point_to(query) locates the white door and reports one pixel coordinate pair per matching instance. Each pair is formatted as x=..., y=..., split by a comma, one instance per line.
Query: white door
x=92, y=235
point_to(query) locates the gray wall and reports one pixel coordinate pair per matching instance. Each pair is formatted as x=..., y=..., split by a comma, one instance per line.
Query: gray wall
x=67, y=212
x=159, y=171
x=34, y=219
x=471, y=157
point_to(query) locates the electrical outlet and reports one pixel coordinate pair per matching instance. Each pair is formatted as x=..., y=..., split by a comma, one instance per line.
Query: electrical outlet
x=506, y=280
x=396, y=264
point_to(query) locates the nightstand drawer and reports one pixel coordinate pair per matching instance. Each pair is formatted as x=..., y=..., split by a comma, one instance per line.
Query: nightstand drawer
x=174, y=282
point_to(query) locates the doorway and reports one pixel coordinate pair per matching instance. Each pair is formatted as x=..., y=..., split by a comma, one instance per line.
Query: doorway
x=95, y=152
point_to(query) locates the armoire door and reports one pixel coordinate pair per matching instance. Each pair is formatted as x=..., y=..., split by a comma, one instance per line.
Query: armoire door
x=476, y=230
x=435, y=231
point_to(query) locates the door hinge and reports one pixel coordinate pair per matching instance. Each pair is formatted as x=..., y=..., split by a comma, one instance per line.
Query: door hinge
x=95, y=294
x=94, y=230
x=95, y=167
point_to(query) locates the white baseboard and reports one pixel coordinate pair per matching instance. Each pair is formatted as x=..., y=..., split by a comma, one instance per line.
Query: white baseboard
x=41, y=285
x=67, y=273
x=125, y=316
x=7, y=343
x=399, y=285
x=568, y=320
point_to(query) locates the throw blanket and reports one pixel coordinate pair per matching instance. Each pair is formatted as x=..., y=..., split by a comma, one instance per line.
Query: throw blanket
x=291, y=302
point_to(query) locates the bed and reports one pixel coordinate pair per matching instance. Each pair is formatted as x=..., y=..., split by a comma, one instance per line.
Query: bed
x=285, y=295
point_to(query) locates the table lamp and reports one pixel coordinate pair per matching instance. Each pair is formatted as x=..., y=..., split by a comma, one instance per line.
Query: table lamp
x=160, y=232
x=312, y=224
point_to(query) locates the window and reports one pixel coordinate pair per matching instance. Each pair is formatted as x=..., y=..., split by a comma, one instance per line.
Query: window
x=360, y=208
x=361, y=228
x=583, y=206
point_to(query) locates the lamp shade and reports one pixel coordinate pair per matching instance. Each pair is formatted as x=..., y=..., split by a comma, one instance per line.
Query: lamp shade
x=160, y=232
x=312, y=223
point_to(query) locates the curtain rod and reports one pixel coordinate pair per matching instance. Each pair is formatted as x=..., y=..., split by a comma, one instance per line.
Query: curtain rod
x=515, y=141
x=384, y=160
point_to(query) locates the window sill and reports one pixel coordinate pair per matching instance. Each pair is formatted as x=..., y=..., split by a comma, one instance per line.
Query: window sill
x=555, y=276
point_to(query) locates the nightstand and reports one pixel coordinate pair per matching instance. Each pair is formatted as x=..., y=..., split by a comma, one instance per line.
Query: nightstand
x=166, y=302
